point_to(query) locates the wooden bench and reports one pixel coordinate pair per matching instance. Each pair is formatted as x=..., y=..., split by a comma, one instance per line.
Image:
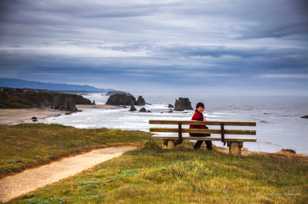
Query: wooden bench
x=227, y=136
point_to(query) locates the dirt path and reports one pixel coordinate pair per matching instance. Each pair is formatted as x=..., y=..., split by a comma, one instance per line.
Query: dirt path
x=32, y=179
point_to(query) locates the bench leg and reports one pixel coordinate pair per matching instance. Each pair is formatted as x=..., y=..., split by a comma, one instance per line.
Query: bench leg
x=168, y=144
x=171, y=144
x=165, y=144
x=235, y=148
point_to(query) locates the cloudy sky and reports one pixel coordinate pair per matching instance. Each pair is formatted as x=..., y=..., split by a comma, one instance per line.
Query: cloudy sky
x=161, y=46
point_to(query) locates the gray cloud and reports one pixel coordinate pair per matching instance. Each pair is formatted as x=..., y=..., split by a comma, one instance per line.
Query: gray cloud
x=159, y=42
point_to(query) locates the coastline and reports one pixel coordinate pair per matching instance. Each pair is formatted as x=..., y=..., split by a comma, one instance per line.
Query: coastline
x=24, y=115
x=19, y=116
x=14, y=116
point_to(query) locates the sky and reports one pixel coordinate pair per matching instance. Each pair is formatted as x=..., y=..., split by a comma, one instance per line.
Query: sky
x=238, y=47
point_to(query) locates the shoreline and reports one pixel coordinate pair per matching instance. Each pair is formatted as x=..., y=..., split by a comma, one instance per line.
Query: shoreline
x=20, y=116
x=24, y=115
x=97, y=106
x=15, y=116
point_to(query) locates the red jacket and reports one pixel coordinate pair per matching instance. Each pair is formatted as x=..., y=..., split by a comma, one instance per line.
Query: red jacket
x=198, y=116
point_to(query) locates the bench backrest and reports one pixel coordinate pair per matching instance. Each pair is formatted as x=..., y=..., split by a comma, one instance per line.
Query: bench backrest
x=221, y=130
x=221, y=124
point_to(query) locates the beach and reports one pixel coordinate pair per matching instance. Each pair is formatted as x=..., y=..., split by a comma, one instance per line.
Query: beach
x=17, y=116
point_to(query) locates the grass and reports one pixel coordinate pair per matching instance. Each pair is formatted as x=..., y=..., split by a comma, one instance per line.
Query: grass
x=28, y=145
x=153, y=175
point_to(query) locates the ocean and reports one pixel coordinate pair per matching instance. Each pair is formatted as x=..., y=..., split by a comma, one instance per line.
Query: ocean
x=279, y=122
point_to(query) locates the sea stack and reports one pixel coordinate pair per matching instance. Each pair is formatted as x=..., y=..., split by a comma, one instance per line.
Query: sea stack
x=119, y=98
x=140, y=101
x=182, y=104
x=132, y=108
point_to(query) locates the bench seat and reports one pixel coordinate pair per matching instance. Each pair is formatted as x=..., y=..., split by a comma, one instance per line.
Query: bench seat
x=211, y=138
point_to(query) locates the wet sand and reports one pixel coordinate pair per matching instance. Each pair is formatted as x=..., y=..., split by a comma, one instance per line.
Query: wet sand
x=17, y=116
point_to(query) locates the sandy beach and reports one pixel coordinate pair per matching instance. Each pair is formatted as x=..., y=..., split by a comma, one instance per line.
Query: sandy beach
x=17, y=116
x=24, y=115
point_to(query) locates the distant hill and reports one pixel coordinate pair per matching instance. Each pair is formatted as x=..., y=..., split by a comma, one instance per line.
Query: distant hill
x=19, y=83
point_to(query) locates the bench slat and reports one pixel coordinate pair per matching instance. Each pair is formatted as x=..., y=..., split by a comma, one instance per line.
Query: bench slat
x=209, y=122
x=205, y=138
x=205, y=131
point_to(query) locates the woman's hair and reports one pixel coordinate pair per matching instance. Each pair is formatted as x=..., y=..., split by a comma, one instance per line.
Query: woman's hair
x=199, y=105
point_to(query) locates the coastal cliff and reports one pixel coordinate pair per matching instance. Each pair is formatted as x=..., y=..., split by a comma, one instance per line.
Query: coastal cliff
x=33, y=98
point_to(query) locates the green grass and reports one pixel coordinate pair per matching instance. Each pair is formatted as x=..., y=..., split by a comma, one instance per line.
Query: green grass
x=153, y=175
x=28, y=145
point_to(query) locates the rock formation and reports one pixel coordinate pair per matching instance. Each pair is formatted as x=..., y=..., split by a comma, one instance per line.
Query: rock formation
x=132, y=108
x=182, y=104
x=64, y=103
x=144, y=110
x=121, y=98
x=31, y=98
x=140, y=101
x=34, y=119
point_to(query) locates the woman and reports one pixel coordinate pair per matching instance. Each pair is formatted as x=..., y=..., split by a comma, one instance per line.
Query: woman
x=198, y=115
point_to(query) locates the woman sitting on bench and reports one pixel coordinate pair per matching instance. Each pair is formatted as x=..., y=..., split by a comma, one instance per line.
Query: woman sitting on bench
x=198, y=115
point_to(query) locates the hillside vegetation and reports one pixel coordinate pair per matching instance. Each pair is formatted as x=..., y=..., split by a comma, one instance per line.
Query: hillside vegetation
x=153, y=175
x=27, y=145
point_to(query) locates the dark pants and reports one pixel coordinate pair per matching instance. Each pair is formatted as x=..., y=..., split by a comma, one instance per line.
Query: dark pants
x=198, y=144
